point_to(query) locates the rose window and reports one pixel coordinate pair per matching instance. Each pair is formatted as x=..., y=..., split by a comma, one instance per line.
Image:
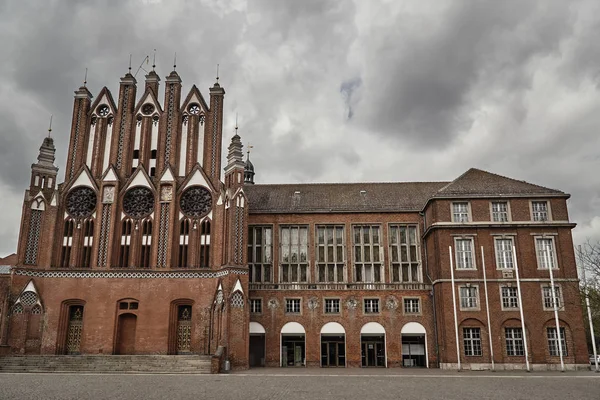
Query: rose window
x=147, y=109
x=194, y=109
x=196, y=202
x=103, y=110
x=138, y=202
x=81, y=202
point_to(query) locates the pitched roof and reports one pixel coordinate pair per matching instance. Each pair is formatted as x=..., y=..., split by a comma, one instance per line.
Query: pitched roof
x=5, y=269
x=340, y=197
x=476, y=182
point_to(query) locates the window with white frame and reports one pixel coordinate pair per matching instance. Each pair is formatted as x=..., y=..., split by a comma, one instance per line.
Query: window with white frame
x=371, y=306
x=548, y=300
x=412, y=306
x=510, y=298
x=256, y=306
x=539, y=210
x=500, y=211
x=404, y=251
x=367, y=253
x=514, y=342
x=472, y=342
x=260, y=253
x=330, y=253
x=460, y=211
x=292, y=306
x=504, y=253
x=464, y=253
x=545, y=252
x=332, y=306
x=293, y=255
x=553, y=342
x=469, y=297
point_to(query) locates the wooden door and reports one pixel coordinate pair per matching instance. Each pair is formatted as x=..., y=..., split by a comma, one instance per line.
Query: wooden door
x=126, y=334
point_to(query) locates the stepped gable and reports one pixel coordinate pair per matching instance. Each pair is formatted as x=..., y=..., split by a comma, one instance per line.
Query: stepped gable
x=477, y=183
x=340, y=197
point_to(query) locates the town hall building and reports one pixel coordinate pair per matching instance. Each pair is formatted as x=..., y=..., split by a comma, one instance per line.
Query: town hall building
x=147, y=246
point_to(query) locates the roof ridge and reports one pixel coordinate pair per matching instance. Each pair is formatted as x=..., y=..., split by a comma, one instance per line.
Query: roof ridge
x=346, y=183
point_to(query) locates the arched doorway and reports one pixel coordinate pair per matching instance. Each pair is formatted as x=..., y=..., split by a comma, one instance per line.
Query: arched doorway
x=184, y=329
x=257, y=345
x=414, y=345
x=74, y=329
x=126, y=333
x=372, y=345
x=333, y=345
x=293, y=345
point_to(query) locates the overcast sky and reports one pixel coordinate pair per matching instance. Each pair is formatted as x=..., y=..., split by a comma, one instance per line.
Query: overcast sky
x=330, y=91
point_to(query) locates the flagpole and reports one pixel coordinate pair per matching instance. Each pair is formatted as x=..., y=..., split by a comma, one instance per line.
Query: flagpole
x=487, y=308
x=521, y=308
x=555, y=307
x=454, y=305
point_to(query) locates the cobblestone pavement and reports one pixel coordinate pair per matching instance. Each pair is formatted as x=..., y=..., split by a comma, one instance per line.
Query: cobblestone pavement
x=305, y=384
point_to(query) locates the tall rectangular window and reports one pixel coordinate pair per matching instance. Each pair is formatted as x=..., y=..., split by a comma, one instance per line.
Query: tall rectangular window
x=504, y=253
x=367, y=253
x=65, y=255
x=499, y=211
x=464, y=253
x=146, y=243
x=460, y=212
x=256, y=306
x=514, y=342
x=545, y=253
x=472, y=341
x=539, y=210
x=293, y=254
x=330, y=253
x=404, y=253
x=548, y=299
x=88, y=241
x=260, y=255
x=553, y=342
x=469, y=297
x=510, y=298
x=126, y=226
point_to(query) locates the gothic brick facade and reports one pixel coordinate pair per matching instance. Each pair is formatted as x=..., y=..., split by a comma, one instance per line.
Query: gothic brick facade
x=143, y=249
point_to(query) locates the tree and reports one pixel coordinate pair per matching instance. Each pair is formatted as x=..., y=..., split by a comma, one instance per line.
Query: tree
x=588, y=256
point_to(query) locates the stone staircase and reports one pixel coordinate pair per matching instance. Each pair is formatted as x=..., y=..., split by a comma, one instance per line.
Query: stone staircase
x=153, y=364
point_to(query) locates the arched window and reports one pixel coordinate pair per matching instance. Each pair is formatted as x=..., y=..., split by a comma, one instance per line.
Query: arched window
x=146, y=243
x=88, y=241
x=184, y=240
x=65, y=257
x=205, y=244
x=125, y=243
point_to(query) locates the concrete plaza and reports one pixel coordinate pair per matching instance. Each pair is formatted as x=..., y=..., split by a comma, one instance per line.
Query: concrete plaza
x=311, y=384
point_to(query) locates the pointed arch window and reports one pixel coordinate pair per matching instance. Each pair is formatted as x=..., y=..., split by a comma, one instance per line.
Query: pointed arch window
x=146, y=243
x=65, y=256
x=126, y=225
x=205, y=243
x=184, y=240
x=88, y=241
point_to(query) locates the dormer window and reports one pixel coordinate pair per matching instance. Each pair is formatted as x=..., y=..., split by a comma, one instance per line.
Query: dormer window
x=460, y=211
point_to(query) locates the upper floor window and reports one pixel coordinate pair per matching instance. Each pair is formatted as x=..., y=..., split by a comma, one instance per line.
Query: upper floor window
x=412, y=306
x=293, y=254
x=404, y=251
x=548, y=299
x=500, y=211
x=469, y=297
x=460, y=211
x=292, y=306
x=504, y=253
x=332, y=306
x=256, y=306
x=510, y=298
x=330, y=253
x=371, y=306
x=260, y=256
x=539, y=210
x=464, y=253
x=546, y=257
x=367, y=254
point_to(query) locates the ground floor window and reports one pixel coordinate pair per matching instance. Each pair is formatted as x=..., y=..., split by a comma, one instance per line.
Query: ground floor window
x=413, y=351
x=333, y=351
x=293, y=351
x=472, y=341
x=373, y=350
x=553, y=342
x=514, y=342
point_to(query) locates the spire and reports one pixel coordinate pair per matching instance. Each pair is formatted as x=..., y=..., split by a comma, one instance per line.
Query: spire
x=235, y=157
x=249, y=168
x=50, y=127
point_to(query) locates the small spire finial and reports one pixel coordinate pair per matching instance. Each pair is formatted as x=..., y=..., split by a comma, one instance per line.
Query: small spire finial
x=248, y=151
x=85, y=78
x=154, y=60
x=217, y=73
x=236, y=122
x=129, y=62
x=175, y=61
x=50, y=126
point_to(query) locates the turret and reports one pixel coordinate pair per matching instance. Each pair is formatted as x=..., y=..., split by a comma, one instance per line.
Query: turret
x=249, y=170
x=234, y=171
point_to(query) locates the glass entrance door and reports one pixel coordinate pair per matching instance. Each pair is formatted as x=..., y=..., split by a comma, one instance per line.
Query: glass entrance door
x=373, y=351
x=333, y=351
x=292, y=351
